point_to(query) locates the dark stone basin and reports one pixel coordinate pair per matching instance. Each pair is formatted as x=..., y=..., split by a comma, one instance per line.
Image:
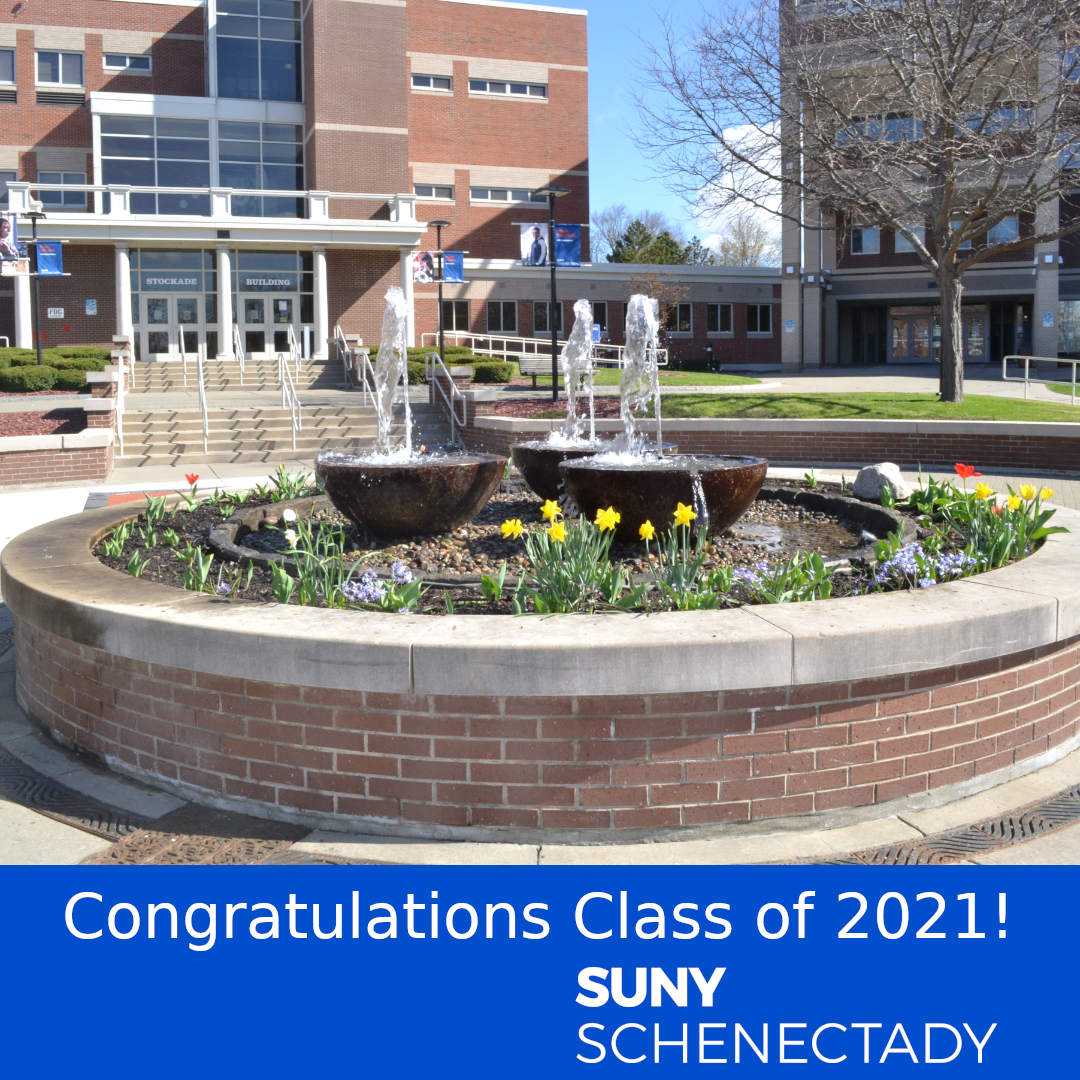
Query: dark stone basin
x=651, y=489
x=433, y=494
x=538, y=462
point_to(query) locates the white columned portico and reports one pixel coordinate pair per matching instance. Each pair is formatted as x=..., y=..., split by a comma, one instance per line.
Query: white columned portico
x=24, y=323
x=407, y=289
x=124, y=325
x=224, y=303
x=322, y=305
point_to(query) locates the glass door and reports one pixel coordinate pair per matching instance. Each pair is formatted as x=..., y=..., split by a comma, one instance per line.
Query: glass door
x=266, y=320
x=172, y=326
x=920, y=334
x=900, y=352
x=975, y=336
x=158, y=333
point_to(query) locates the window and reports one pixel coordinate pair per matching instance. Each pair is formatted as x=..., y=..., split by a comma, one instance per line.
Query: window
x=678, y=319
x=7, y=65
x=60, y=69
x=718, y=318
x=903, y=245
x=486, y=86
x=433, y=191
x=118, y=62
x=1005, y=231
x=455, y=315
x=266, y=157
x=258, y=46
x=759, y=318
x=145, y=151
x=540, y=317
x=478, y=194
x=599, y=315
x=62, y=200
x=955, y=223
x=502, y=316
x=6, y=176
x=865, y=240
x=433, y=82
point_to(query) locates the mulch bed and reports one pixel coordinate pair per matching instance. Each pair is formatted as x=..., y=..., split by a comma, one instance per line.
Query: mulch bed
x=43, y=393
x=53, y=422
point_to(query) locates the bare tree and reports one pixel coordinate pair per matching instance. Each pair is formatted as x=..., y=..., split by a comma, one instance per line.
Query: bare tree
x=745, y=241
x=608, y=225
x=943, y=120
x=665, y=289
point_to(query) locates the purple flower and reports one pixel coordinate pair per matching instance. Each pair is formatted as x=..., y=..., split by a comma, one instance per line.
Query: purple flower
x=222, y=589
x=400, y=573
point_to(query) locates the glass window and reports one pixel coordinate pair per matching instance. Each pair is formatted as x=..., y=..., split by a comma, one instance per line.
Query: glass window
x=502, y=316
x=504, y=195
x=433, y=82
x=486, y=86
x=6, y=175
x=116, y=62
x=266, y=157
x=456, y=315
x=599, y=314
x=259, y=45
x=865, y=240
x=759, y=318
x=718, y=318
x=433, y=191
x=60, y=68
x=1005, y=231
x=7, y=65
x=678, y=320
x=903, y=245
x=540, y=317
x=954, y=224
x=63, y=200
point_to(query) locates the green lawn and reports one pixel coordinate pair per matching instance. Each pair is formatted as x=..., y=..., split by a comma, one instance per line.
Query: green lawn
x=1065, y=388
x=866, y=407
x=610, y=377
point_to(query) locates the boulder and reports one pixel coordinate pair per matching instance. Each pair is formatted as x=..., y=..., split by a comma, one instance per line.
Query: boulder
x=872, y=480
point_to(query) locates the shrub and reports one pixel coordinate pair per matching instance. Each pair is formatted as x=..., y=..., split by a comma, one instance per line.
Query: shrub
x=23, y=380
x=494, y=372
x=79, y=352
x=416, y=373
x=69, y=379
x=29, y=359
x=8, y=355
x=74, y=363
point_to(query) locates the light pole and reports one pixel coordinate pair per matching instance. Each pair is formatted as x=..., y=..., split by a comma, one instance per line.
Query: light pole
x=552, y=194
x=35, y=216
x=439, y=226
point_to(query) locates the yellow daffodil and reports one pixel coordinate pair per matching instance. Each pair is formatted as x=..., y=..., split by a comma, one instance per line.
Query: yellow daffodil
x=512, y=529
x=1027, y=491
x=647, y=531
x=550, y=510
x=607, y=519
x=1014, y=502
x=1046, y=493
x=684, y=515
x=557, y=532
x=983, y=491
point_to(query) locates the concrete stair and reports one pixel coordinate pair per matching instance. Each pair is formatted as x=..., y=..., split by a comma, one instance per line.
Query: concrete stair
x=224, y=375
x=263, y=434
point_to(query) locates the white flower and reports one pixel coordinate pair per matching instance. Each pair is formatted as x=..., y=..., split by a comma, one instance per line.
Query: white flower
x=290, y=535
x=289, y=516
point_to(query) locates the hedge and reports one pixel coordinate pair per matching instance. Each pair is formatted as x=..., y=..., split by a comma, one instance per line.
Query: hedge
x=8, y=355
x=78, y=352
x=23, y=380
x=495, y=372
x=75, y=363
x=416, y=373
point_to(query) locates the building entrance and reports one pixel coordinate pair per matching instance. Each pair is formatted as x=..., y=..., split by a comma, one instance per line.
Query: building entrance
x=172, y=326
x=910, y=335
x=265, y=322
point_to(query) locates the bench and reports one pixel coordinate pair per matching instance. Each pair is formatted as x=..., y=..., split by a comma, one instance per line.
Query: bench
x=534, y=365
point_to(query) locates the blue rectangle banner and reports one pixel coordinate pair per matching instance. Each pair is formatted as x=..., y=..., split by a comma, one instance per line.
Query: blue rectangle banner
x=50, y=258
x=453, y=266
x=539, y=972
x=567, y=245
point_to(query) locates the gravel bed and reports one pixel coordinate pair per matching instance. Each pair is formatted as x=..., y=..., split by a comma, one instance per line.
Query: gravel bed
x=54, y=422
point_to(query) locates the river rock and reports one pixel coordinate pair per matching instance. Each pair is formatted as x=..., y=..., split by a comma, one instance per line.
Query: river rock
x=872, y=480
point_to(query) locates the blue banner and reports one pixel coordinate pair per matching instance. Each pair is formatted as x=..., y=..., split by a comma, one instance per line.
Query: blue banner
x=541, y=971
x=567, y=245
x=50, y=258
x=453, y=266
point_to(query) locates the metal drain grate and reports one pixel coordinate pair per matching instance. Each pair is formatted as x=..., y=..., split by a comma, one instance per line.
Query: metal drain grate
x=23, y=785
x=1021, y=825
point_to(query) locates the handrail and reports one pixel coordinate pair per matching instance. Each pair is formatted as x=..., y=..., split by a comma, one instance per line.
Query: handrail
x=366, y=371
x=495, y=344
x=202, y=390
x=238, y=349
x=1027, y=380
x=294, y=349
x=289, y=396
x=124, y=353
x=431, y=359
x=342, y=347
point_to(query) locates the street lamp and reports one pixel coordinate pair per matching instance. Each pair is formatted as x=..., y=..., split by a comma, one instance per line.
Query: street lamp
x=552, y=194
x=439, y=226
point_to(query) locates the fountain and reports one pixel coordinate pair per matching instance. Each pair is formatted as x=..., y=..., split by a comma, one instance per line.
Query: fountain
x=635, y=477
x=396, y=491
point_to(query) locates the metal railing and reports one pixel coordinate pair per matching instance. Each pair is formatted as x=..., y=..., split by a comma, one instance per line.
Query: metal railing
x=289, y=397
x=201, y=374
x=1027, y=380
x=238, y=349
x=294, y=350
x=495, y=345
x=122, y=356
x=433, y=365
x=342, y=347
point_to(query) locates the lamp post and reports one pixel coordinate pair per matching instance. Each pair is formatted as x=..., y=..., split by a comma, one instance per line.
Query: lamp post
x=35, y=216
x=552, y=194
x=439, y=226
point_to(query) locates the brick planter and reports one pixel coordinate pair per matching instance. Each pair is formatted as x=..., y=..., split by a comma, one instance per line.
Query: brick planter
x=578, y=727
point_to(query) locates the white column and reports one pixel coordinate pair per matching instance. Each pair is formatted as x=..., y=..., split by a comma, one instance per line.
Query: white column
x=24, y=325
x=124, y=325
x=224, y=303
x=407, y=289
x=322, y=306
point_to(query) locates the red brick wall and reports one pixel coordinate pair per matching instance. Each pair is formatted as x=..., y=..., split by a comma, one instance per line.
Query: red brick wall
x=356, y=289
x=582, y=762
x=32, y=467
x=93, y=277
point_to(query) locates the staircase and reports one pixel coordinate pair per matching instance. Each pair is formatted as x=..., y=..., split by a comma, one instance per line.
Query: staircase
x=224, y=375
x=173, y=437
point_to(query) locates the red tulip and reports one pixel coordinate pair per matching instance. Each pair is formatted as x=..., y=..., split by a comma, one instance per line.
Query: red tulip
x=191, y=478
x=966, y=471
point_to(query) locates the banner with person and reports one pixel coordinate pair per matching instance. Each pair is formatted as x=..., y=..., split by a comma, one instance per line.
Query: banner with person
x=13, y=260
x=534, y=245
x=423, y=267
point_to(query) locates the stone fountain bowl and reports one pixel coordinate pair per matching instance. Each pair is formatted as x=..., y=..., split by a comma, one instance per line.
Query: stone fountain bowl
x=538, y=462
x=433, y=493
x=650, y=489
